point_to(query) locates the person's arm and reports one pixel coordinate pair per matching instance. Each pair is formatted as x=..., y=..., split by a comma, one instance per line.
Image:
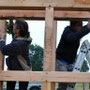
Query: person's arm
x=11, y=49
x=74, y=36
x=2, y=43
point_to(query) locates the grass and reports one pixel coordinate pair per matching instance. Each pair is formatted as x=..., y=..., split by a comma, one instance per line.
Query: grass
x=79, y=86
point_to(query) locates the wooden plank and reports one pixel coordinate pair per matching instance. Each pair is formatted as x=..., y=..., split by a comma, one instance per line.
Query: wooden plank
x=54, y=38
x=3, y=26
x=1, y=67
x=83, y=1
x=1, y=85
x=46, y=85
x=44, y=76
x=53, y=86
x=54, y=52
x=3, y=31
x=1, y=62
x=60, y=4
x=40, y=14
x=1, y=58
x=20, y=76
x=48, y=45
x=67, y=15
x=31, y=14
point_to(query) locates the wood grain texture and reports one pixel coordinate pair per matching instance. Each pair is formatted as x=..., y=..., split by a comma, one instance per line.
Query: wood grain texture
x=3, y=31
x=40, y=14
x=60, y=4
x=44, y=76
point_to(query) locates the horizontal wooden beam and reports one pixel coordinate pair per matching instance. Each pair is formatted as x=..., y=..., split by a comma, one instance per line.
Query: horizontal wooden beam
x=67, y=15
x=51, y=76
x=40, y=14
x=28, y=14
x=57, y=4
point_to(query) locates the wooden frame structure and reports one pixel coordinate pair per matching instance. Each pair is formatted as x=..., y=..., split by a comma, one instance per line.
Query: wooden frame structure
x=50, y=11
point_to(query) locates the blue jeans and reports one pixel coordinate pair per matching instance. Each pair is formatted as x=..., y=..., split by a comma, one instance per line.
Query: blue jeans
x=64, y=68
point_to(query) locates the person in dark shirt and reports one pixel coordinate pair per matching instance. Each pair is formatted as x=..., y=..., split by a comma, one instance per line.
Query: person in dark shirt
x=67, y=48
x=17, y=51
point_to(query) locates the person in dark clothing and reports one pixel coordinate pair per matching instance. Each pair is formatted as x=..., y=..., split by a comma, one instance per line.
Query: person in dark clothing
x=17, y=51
x=67, y=48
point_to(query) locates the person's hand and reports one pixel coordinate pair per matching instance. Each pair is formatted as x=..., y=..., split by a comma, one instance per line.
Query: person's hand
x=88, y=24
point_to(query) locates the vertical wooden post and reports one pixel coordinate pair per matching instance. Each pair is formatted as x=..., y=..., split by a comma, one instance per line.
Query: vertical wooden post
x=50, y=45
x=1, y=63
x=54, y=46
x=1, y=67
x=49, y=22
x=3, y=30
x=54, y=52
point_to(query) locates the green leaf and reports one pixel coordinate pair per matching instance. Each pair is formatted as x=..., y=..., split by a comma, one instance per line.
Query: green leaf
x=8, y=28
x=36, y=56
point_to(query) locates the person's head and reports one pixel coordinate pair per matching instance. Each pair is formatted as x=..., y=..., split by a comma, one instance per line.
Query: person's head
x=20, y=28
x=76, y=25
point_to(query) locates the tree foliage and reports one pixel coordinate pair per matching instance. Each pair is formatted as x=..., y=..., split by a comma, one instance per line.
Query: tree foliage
x=85, y=66
x=9, y=28
x=36, y=56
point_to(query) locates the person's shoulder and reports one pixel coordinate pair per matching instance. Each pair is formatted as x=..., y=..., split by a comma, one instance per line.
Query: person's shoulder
x=67, y=29
x=18, y=42
x=22, y=41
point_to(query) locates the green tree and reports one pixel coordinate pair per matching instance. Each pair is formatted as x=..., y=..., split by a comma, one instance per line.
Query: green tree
x=36, y=56
x=85, y=66
x=9, y=27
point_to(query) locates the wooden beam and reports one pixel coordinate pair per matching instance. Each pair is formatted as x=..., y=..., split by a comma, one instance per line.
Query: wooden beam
x=44, y=76
x=31, y=14
x=54, y=38
x=57, y=4
x=3, y=31
x=1, y=61
x=68, y=15
x=54, y=52
x=1, y=67
x=40, y=14
x=49, y=43
x=48, y=52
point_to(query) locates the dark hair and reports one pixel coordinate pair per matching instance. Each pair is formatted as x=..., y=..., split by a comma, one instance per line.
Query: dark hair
x=75, y=22
x=22, y=25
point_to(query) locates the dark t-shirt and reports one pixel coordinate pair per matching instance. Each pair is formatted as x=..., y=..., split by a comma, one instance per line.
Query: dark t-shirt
x=69, y=43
